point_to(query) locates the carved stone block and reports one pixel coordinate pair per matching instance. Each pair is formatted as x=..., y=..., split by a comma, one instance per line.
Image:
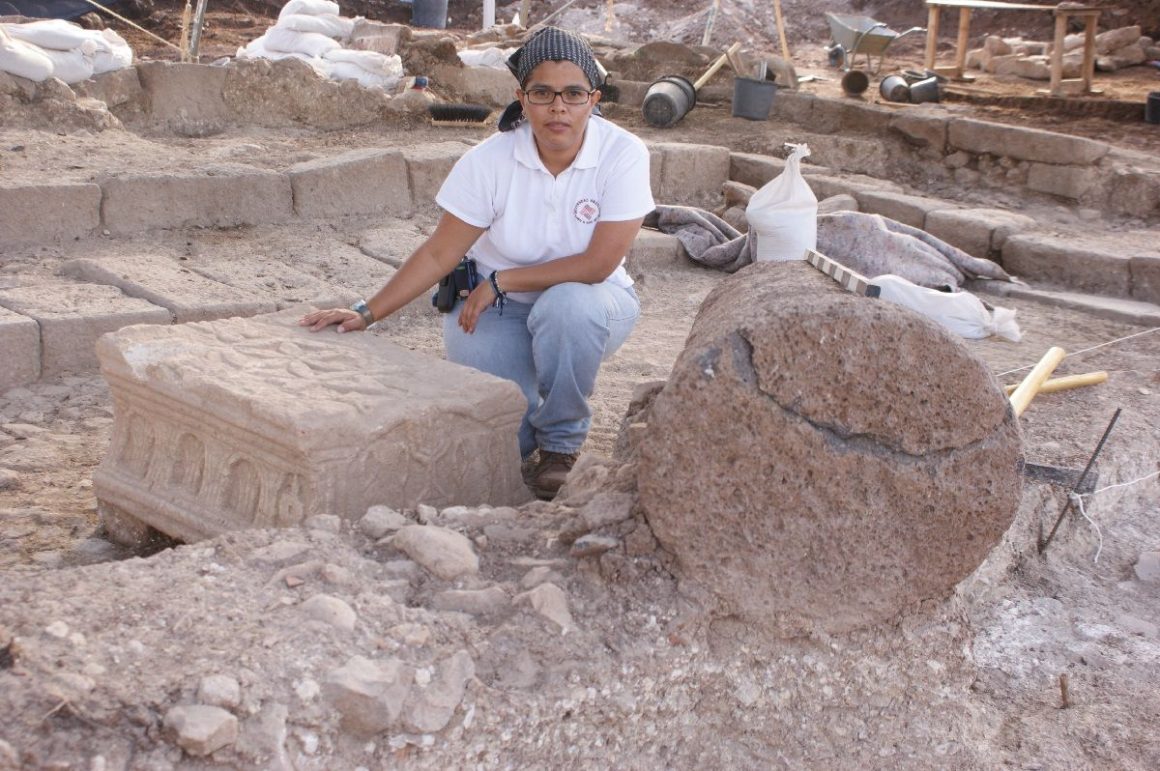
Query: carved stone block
x=19, y=350
x=245, y=423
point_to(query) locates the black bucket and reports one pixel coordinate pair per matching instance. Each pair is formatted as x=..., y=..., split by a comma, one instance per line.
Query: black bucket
x=752, y=98
x=1152, y=107
x=429, y=13
x=668, y=100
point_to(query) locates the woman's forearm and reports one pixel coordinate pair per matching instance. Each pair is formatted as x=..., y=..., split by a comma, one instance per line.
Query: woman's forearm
x=609, y=245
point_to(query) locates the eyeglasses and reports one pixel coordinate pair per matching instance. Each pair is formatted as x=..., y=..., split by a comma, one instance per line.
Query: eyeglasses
x=574, y=96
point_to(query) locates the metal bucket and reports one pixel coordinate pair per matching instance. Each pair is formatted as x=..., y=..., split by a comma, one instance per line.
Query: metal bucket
x=752, y=98
x=429, y=13
x=1152, y=107
x=925, y=90
x=667, y=100
x=894, y=89
x=855, y=82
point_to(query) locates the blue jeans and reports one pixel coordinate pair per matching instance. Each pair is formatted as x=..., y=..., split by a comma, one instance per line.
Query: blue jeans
x=552, y=349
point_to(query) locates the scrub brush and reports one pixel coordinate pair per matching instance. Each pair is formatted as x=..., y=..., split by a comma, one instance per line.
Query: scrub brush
x=458, y=114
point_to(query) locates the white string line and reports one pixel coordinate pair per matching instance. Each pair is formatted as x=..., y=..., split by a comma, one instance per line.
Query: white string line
x=1077, y=499
x=1085, y=350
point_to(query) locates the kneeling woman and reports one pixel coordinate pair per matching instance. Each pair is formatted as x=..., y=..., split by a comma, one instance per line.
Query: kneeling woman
x=547, y=208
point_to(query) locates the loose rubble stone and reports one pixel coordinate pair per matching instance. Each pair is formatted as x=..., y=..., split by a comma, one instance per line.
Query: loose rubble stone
x=443, y=553
x=327, y=523
x=593, y=545
x=843, y=432
x=260, y=423
x=488, y=602
x=368, y=694
x=430, y=708
x=1148, y=566
x=219, y=691
x=380, y=520
x=551, y=602
x=201, y=729
x=330, y=610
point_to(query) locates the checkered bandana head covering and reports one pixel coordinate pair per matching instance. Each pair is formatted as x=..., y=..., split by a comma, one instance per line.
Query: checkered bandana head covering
x=548, y=44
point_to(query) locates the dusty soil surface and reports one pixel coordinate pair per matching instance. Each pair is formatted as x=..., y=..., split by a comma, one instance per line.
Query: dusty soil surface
x=97, y=645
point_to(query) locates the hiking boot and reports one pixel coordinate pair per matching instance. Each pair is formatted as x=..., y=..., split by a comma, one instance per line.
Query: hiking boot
x=528, y=466
x=550, y=472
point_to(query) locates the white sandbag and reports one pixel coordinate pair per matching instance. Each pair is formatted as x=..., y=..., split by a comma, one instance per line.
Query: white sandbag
x=291, y=42
x=784, y=213
x=385, y=78
x=73, y=66
x=371, y=61
x=114, y=54
x=494, y=58
x=324, y=24
x=960, y=312
x=309, y=7
x=23, y=60
x=54, y=34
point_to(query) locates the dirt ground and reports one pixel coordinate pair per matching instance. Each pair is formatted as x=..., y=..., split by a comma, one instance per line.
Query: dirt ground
x=98, y=643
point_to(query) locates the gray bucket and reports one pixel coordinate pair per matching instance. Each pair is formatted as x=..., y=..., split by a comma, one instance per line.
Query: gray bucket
x=1152, y=107
x=752, y=98
x=894, y=88
x=925, y=90
x=429, y=13
x=668, y=100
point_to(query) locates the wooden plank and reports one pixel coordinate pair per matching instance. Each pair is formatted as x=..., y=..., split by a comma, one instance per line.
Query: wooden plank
x=781, y=30
x=963, y=40
x=990, y=4
x=1089, y=50
x=1057, y=53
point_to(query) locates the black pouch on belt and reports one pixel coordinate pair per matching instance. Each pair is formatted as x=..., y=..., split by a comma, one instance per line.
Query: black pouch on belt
x=455, y=286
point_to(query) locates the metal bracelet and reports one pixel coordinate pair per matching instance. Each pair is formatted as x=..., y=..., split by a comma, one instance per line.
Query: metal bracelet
x=363, y=310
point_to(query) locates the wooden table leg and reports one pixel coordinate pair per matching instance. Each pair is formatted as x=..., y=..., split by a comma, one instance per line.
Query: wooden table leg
x=931, y=35
x=1056, y=87
x=962, y=43
x=1089, y=52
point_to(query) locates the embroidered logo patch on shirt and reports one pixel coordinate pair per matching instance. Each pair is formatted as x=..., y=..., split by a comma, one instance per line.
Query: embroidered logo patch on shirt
x=586, y=211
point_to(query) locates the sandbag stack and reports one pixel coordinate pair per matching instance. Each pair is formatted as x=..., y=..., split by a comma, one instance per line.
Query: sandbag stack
x=39, y=50
x=314, y=31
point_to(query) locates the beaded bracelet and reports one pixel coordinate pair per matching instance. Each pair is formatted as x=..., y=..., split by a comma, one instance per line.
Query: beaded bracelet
x=500, y=295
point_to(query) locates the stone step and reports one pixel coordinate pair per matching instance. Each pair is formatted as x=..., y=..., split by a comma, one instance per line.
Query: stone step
x=1111, y=308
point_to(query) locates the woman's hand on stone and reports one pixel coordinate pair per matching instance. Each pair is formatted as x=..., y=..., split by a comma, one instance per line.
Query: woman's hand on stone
x=475, y=304
x=346, y=320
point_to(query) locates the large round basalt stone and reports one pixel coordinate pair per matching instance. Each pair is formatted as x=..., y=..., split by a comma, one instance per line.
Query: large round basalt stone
x=820, y=460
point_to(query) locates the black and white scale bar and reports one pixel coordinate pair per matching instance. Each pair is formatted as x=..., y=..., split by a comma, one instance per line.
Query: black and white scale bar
x=848, y=279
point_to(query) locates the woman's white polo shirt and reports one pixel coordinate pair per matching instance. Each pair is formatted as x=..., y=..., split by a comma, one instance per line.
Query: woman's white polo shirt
x=532, y=217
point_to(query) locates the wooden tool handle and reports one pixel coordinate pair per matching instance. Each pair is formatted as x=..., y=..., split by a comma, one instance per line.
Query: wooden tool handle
x=1031, y=384
x=1066, y=383
x=733, y=49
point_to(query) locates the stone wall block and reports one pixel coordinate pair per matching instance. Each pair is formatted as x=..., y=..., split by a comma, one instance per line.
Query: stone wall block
x=1135, y=192
x=977, y=232
x=212, y=198
x=691, y=174
x=925, y=131
x=246, y=423
x=366, y=181
x=796, y=107
x=186, y=98
x=1145, y=275
x=1026, y=144
x=72, y=316
x=754, y=169
x=844, y=431
x=1068, y=261
x=185, y=294
x=1064, y=181
x=36, y=214
x=651, y=251
x=19, y=349
x=907, y=209
x=427, y=167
